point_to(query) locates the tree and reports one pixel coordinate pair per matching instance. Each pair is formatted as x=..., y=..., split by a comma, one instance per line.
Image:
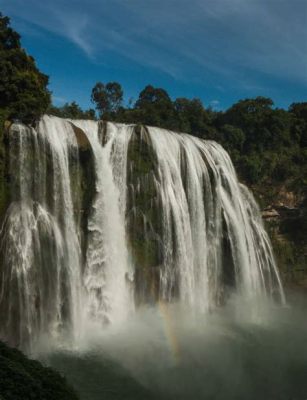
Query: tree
x=155, y=107
x=107, y=98
x=252, y=117
x=23, y=88
x=299, y=110
x=192, y=117
x=9, y=39
x=150, y=95
x=234, y=137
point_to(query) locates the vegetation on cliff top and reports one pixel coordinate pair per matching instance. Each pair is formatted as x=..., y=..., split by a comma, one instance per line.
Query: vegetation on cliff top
x=23, y=88
x=71, y=110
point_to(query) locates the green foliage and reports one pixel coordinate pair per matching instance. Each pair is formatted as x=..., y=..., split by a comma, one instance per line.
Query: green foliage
x=155, y=107
x=107, y=98
x=9, y=39
x=234, y=136
x=251, y=167
x=299, y=110
x=249, y=115
x=23, y=88
x=71, y=110
x=266, y=144
x=25, y=379
x=191, y=116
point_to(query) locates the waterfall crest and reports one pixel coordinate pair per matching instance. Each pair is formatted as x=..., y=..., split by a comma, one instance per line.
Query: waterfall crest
x=107, y=216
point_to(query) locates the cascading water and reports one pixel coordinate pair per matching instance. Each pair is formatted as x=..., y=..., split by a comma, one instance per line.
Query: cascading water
x=204, y=209
x=161, y=216
x=40, y=252
x=107, y=264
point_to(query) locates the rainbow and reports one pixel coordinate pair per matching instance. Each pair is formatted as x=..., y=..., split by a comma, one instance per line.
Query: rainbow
x=169, y=330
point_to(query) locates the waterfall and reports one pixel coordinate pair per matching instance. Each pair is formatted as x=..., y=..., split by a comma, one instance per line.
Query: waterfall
x=107, y=216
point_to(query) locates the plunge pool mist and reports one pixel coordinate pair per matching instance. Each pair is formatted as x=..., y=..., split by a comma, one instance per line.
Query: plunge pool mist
x=166, y=352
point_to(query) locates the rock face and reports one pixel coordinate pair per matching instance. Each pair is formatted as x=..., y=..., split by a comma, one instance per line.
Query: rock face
x=286, y=221
x=4, y=172
x=270, y=213
x=82, y=172
x=143, y=219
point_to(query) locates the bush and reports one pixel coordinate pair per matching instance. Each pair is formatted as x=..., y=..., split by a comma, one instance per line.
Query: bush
x=23, y=379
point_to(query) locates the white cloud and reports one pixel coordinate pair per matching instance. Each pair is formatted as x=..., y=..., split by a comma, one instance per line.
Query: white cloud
x=215, y=104
x=58, y=100
x=76, y=27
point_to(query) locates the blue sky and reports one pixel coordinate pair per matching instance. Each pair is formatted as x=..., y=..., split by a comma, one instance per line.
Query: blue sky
x=217, y=50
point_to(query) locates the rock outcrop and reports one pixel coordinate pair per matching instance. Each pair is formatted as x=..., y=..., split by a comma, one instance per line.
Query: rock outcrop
x=286, y=221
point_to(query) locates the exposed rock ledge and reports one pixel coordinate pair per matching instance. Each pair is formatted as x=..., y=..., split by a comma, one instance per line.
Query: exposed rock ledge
x=280, y=211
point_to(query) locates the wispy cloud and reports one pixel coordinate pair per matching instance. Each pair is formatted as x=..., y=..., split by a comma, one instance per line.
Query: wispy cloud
x=58, y=100
x=215, y=104
x=61, y=19
x=214, y=40
x=76, y=27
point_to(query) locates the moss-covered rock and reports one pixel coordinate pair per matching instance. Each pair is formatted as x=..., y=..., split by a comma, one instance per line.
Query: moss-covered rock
x=144, y=215
x=288, y=236
x=87, y=192
x=285, y=214
x=25, y=379
x=83, y=180
x=4, y=161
